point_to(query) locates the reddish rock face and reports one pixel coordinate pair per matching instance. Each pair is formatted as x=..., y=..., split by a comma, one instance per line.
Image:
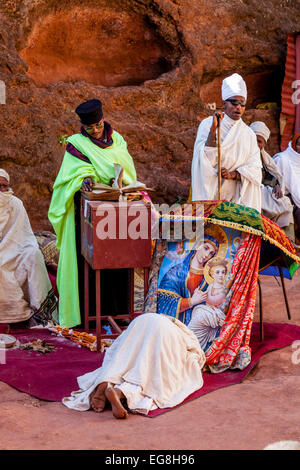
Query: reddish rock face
x=156, y=66
x=99, y=46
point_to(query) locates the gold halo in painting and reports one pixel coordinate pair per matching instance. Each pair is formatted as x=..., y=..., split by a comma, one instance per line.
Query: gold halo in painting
x=216, y=261
x=214, y=231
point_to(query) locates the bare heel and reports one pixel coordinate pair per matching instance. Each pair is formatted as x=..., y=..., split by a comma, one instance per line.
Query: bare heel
x=98, y=398
x=115, y=400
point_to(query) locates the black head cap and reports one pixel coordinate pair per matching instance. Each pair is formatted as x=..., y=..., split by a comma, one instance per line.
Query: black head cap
x=90, y=112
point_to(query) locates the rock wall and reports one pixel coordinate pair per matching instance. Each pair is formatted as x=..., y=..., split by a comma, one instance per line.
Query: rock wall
x=156, y=65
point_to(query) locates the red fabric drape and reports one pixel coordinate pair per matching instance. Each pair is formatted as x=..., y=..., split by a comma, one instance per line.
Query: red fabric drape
x=231, y=349
x=297, y=77
x=288, y=110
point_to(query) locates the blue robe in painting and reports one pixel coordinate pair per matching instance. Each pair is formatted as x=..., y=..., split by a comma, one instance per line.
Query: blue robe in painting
x=173, y=288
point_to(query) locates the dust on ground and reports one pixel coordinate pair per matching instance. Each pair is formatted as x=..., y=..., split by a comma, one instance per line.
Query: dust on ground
x=264, y=408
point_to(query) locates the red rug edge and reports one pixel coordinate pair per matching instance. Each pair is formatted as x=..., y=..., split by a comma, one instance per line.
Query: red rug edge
x=158, y=412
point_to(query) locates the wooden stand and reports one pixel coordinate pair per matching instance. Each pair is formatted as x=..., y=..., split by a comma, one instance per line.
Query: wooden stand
x=119, y=249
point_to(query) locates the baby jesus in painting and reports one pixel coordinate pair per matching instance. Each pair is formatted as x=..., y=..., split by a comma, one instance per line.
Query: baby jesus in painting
x=216, y=291
x=208, y=318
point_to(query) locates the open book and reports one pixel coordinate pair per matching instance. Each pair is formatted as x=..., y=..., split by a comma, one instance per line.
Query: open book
x=117, y=191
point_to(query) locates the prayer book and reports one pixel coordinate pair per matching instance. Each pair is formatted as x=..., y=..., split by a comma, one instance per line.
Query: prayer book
x=116, y=192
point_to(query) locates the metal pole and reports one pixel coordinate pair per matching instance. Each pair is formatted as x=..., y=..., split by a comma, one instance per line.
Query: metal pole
x=284, y=293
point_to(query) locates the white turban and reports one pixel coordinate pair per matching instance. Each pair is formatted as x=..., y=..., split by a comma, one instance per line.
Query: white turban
x=4, y=174
x=261, y=129
x=234, y=86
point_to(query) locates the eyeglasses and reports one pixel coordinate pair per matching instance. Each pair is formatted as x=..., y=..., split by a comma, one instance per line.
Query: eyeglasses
x=95, y=127
x=237, y=102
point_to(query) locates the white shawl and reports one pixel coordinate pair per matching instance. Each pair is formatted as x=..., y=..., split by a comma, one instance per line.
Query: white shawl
x=289, y=165
x=239, y=151
x=279, y=210
x=272, y=168
x=24, y=281
x=157, y=353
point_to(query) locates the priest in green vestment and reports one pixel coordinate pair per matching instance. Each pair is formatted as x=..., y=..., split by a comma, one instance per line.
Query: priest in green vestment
x=90, y=156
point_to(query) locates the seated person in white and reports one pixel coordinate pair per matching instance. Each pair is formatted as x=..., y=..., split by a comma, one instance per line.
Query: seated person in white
x=240, y=156
x=274, y=204
x=25, y=289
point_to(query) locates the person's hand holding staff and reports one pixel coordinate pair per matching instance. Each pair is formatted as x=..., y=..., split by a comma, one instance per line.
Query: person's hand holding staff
x=219, y=118
x=213, y=141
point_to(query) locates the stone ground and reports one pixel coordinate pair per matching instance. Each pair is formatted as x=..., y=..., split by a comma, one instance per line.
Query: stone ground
x=264, y=408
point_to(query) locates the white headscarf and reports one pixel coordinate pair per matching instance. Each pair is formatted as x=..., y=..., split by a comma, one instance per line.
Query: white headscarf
x=261, y=129
x=234, y=86
x=4, y=174
x=5, y=197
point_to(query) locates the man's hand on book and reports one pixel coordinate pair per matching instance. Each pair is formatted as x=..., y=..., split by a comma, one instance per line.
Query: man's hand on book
x=87, y=184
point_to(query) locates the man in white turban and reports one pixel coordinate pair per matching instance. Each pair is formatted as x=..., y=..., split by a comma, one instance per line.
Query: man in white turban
x=25, y=289
x=274, y=204
x=240, y=156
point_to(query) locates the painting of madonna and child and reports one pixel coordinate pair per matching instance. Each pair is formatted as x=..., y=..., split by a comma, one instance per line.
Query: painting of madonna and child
x=209, y=284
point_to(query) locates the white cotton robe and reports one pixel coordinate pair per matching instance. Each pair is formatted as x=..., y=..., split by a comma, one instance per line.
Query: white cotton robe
x=288, y=162
x=24, y=281
x=239, y=151
x=156, y=355
x=279, y=210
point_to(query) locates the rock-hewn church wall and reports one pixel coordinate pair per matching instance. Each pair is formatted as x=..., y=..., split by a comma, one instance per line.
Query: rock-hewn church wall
x=156, y=65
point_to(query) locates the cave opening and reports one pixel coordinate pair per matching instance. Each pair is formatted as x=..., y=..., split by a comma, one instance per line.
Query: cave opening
x=111, y=49
x=263, y=88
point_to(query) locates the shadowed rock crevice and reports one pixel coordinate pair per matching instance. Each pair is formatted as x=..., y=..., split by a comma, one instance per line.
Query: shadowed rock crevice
x=102, y=46
x=263, y=86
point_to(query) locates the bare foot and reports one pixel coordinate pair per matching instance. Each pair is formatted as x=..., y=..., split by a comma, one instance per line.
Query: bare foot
x=114, y=397
x=98, y=398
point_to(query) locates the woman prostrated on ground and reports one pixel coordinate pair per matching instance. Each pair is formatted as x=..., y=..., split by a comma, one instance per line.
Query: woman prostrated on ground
x=155, y=363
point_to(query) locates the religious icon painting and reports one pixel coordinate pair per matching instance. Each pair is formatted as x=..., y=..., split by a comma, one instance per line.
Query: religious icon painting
x=195, y=280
